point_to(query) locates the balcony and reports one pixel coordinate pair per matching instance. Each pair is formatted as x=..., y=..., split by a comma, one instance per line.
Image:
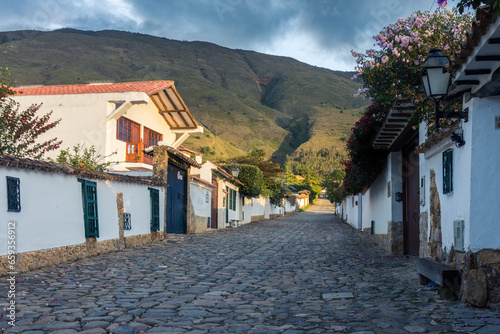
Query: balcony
x=135, y=153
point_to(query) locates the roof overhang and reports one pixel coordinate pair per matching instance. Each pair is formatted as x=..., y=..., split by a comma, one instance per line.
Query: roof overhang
x=477, y=65
x=173, y=109
x=394, y=125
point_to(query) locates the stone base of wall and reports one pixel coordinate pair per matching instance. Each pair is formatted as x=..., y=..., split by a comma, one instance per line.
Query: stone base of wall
x=480, y=276
x=46, y=257
x=198, y=224
x=257, y=218
x=392, y=242
x=275, y=215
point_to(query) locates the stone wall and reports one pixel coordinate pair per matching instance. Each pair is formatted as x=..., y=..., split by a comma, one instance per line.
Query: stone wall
x=392, y=242
x=480, y=273
x=257, y=218
x=46, y=257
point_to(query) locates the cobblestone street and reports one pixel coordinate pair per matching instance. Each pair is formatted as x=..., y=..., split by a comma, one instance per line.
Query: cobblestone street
x=304, y=273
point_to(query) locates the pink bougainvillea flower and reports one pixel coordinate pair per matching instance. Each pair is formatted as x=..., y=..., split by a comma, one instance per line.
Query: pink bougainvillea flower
x=442, y=3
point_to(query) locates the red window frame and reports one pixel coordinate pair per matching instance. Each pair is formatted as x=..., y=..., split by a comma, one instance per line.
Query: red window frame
x=151, y=138
x=125, y=129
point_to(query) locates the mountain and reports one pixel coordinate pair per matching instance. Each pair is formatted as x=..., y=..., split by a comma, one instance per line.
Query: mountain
x=244, y=99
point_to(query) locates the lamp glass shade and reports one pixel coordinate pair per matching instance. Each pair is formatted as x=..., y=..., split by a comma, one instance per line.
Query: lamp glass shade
x=235, y=171
x=435, y=76
x=438, y=81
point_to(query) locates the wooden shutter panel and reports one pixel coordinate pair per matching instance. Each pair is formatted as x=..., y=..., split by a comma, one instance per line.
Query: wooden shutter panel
x=155, y=209
x=448, y=171
x=89, y=192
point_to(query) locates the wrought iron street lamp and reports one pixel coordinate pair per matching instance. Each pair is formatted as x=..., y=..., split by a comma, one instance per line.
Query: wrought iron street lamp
x=436, y=80
x=235, y=171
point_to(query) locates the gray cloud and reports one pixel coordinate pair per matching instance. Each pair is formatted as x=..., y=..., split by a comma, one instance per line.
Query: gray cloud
x=319, y=32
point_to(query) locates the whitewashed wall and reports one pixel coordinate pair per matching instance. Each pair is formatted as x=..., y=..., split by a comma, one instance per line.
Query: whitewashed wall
x=289, y=207
x=351, y=210
x=201, y=198
x=379, y=201
x=485, y=176
x=52, y=212
x=476, y=182
x=275, y=209
x=253, y=207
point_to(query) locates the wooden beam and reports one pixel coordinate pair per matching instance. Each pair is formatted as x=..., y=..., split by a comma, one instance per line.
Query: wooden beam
x=161, y=112
x=401, y=114
x=488, y=58
x=394, y=126
x=466, y=82
x=478, y=71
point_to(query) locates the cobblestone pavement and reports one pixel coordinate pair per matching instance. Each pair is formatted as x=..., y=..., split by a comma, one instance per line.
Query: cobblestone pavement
x=304, y=273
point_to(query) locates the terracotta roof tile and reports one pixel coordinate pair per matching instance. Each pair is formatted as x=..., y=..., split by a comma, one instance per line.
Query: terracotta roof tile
x=148, y=87
x=54, y=167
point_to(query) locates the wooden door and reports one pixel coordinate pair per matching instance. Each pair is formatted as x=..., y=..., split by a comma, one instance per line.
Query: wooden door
x=411, y=205
x=176, y=200
x=214, y=221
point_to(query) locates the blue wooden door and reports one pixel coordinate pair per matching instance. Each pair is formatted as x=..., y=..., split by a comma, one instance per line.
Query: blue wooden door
x=176, y=200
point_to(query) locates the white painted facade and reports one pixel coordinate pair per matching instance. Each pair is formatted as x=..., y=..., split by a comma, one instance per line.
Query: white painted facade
x=201, y=199
x=91, y=119
x=378, y=204
x=351, y=210
x=52, y=215
x=476, y=183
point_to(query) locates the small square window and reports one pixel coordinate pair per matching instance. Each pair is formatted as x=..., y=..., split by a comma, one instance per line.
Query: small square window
x=13, y=194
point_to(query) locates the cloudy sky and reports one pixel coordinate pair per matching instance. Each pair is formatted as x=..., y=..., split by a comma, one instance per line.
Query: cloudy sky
x=318, y=32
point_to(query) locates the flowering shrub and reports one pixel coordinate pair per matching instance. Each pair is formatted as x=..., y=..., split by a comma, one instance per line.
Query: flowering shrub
x=86, y=158
x=20, y=129
x=364, y=162
x=392, y=73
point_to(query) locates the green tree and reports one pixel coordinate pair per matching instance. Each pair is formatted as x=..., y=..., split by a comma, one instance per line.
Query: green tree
x=251, y=177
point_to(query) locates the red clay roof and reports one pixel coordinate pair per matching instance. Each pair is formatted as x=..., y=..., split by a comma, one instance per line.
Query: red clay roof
x=148, y=87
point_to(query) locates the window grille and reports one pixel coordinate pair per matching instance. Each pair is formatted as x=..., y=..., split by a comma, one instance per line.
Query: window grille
x=127, y=221
x=448, y=171
x=155, y=209
x=89, y=194
x=13, y=194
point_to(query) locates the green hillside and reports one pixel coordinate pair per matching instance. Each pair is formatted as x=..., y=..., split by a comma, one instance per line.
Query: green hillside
x=244, y=99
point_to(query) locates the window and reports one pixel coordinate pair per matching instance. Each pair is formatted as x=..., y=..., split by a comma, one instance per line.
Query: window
x=124, y=131
x=13, y=194
x=231, y=199
x=127, y=221
x=155, y=209
x=89, y=195
x=448, y=171
x=127, y=130
x=151, y=138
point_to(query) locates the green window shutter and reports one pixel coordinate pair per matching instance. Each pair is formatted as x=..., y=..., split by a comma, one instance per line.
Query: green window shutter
x=13, y=194
x=448, y=171
x=155, y=209
x=89, y=194
x=234, y=199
